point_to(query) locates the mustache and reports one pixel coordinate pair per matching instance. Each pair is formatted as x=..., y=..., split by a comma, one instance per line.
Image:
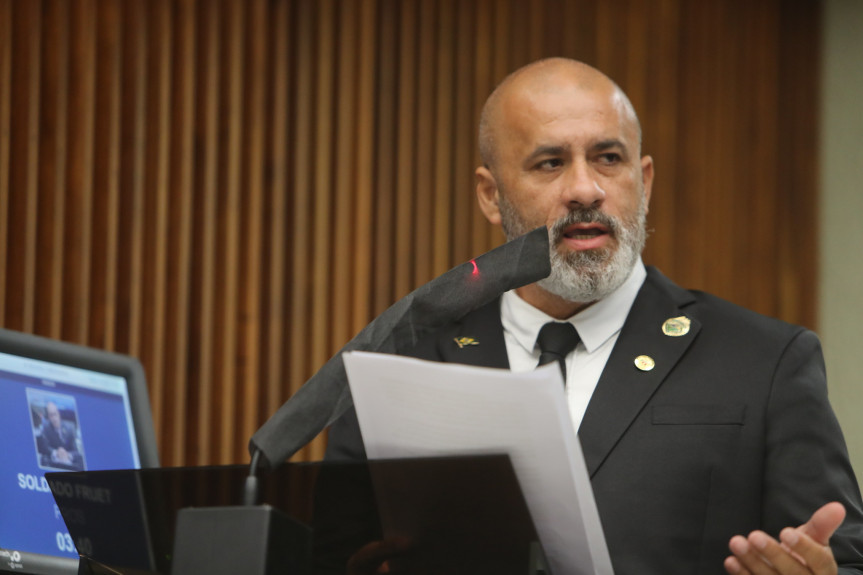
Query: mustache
x=582, y=216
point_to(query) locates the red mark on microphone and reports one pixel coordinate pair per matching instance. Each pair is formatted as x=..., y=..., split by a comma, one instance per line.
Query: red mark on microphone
x=475, y=268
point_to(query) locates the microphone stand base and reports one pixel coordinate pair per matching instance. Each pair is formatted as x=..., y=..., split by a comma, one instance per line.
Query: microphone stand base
x=253, y=540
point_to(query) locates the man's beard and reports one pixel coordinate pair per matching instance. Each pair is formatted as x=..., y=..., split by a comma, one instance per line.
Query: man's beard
x=589, y=275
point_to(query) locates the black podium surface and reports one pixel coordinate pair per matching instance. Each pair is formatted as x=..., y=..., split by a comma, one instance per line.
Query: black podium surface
x=451, y=515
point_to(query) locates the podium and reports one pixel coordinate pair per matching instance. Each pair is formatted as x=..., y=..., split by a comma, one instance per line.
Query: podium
x=448, y=514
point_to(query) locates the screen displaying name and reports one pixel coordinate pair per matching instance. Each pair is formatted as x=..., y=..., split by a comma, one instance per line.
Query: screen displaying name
x=55, y=417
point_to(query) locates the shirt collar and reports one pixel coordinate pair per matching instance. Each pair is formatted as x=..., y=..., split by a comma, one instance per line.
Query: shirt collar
x=595, y=324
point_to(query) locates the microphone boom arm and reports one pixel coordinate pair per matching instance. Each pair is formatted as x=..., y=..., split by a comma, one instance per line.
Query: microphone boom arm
x=447, y=298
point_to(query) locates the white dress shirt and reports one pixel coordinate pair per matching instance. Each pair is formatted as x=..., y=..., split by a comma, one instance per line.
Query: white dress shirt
x=598, y=326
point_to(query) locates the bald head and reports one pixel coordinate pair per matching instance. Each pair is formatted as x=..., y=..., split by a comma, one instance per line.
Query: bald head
x=540, y=77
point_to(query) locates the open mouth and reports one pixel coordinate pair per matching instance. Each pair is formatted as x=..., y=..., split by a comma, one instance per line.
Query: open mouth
x=587, y=231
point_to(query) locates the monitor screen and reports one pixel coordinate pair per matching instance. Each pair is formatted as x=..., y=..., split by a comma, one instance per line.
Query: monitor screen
x=63, y=407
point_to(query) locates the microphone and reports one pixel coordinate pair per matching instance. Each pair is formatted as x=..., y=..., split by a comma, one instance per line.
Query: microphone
x=447, y=298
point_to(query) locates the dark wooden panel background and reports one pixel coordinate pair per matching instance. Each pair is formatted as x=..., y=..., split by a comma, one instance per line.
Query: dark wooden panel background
x=230, y=190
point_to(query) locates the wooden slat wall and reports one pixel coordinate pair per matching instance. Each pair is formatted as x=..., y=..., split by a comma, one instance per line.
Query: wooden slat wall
x=231, y=189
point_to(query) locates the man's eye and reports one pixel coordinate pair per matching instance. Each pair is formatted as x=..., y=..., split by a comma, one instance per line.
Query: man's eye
x=610, y=158
x=550, y=164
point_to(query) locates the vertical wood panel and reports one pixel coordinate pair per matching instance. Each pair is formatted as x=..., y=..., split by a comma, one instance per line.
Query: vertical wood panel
x=277, y=215
x=342, y=225
x=79, y=200
x=659, y=120
x=460, y=181
x=637, y=49
x=52, y=170
x=443, y=141
x=486, y=75
x=227, y=405
x=716, y=220
x=580, y=30
x=405, y=190
x=536, y=26
x=757, y=244
x=203, y=353
x=364, y=245
x=610, y=50
x=798, y=136
x=5, y=150
x=503, y=61
x=320, y=325
x=230, y=190
x=181, y=173
x=693, y=108
x=24, y=152
x=133, y=116
x=424, y=160
x=386, y=156
x=253, y=204
x=155, y=205
x=106, y=191
x=300, y=316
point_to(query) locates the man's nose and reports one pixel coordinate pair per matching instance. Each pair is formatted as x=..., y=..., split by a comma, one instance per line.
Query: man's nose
x=581, y=188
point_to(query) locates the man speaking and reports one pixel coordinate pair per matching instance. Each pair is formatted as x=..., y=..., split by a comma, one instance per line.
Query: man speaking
x=706, y=428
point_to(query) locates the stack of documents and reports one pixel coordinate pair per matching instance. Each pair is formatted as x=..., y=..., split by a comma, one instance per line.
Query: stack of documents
x=411, y=408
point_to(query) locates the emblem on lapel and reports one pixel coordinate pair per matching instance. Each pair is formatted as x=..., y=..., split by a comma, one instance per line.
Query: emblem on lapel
x=644, y=363
x=676, y=326
x=463, y=342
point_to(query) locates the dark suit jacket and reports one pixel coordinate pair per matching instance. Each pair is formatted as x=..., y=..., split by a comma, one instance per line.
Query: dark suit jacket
x=730, y=432
x=52, y=439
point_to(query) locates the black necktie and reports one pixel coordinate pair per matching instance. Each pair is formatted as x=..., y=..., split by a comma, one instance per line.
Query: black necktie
x=555, y=341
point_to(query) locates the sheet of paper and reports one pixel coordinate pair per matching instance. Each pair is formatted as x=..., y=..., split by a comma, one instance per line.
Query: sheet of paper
x=409, y=407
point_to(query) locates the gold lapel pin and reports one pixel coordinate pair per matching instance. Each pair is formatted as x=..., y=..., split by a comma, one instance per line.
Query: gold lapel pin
x=644, y=362
x=461, y=342
x=676, y=326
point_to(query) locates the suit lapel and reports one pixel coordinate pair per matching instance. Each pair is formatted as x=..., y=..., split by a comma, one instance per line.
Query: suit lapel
x=624, y=389
x=477, y=339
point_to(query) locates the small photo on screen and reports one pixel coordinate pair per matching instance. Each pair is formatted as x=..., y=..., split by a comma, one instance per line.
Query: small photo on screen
x=56, y=431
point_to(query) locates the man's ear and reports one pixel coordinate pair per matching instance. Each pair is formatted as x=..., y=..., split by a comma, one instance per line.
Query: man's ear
x=647, y=179
x=487, y=195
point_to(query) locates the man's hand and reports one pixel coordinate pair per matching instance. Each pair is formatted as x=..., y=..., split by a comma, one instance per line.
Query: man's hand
x=62, y=455
x=803, y=550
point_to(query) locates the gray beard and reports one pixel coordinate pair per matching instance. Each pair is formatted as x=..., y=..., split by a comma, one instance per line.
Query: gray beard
x=588, y=276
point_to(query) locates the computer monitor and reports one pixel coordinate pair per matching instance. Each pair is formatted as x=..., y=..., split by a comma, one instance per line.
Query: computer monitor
x=63, y=407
